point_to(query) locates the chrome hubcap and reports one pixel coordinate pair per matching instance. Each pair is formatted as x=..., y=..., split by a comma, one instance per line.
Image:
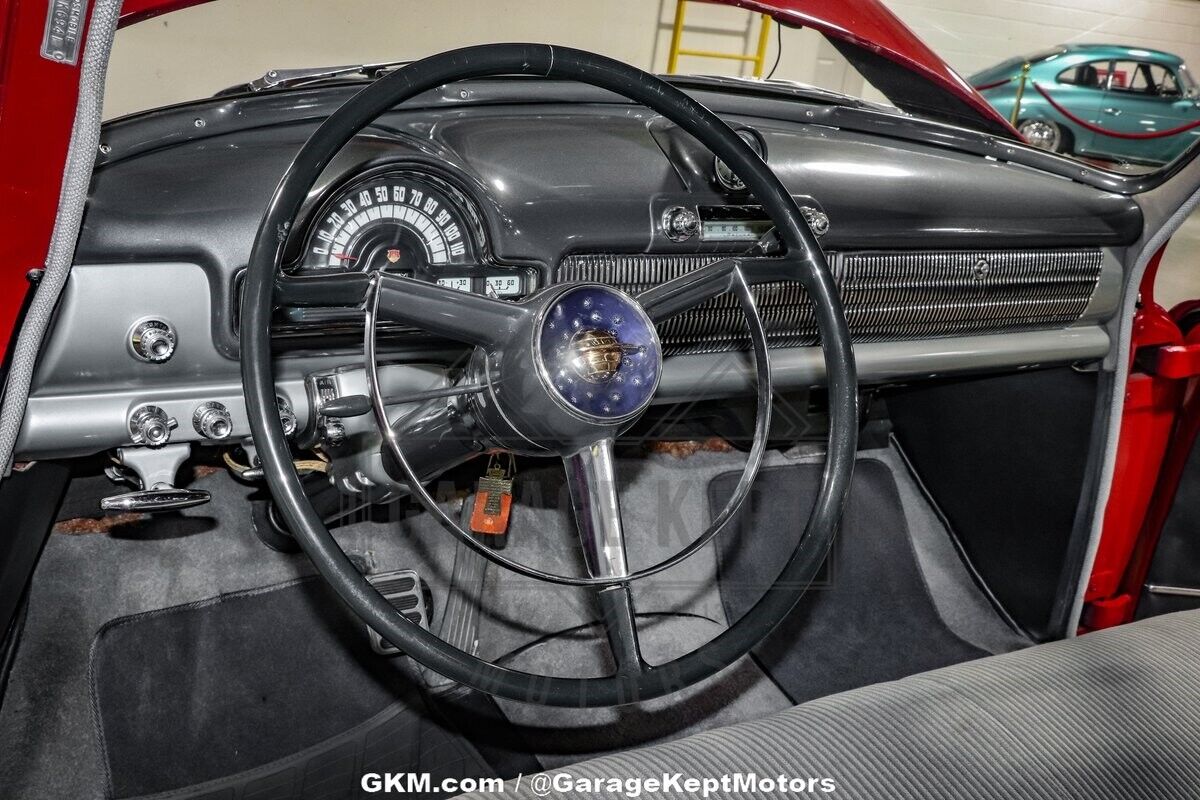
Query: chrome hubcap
x=1040, y=134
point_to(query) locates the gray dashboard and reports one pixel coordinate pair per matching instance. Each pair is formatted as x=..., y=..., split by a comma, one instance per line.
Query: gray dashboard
x=178, y=195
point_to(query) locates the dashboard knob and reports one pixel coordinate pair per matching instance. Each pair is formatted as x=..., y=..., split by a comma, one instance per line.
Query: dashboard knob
x=150, y=425
x=333, y=433
x=152, y=340
x=287, y=417
x=680, y=223
x=212, y=421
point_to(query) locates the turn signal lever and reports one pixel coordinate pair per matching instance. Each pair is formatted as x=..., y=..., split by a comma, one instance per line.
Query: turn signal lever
x=152, y=470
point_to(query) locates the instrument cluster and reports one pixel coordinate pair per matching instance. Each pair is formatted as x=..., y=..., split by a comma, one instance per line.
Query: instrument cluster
x=407, y=222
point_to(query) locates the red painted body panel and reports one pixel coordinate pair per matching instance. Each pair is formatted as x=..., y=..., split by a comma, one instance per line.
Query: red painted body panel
x=1151, y=452
x=37, y=110
x=1179, y=451
x=137, y=10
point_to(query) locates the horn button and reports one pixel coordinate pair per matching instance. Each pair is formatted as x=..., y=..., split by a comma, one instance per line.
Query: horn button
x=598, y=353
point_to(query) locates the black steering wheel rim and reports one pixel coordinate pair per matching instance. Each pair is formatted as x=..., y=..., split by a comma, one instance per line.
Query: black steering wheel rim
x=274, y=451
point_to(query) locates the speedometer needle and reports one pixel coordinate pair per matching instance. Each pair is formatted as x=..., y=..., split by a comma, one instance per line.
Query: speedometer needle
x=344, y=257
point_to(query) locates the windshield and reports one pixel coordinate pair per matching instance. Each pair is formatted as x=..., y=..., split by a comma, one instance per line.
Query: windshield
x=199, y=51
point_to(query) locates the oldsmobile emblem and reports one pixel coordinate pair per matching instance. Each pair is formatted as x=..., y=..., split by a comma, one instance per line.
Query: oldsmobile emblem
x=596, y=355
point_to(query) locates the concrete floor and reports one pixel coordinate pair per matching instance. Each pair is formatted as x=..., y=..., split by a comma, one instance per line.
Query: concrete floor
x=1179, y=273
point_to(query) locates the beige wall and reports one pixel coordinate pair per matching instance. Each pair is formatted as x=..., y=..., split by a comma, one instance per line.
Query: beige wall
x=973, y=34
x=193, y=53
x=198, y=51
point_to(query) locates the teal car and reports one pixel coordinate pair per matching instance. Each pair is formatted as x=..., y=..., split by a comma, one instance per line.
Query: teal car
x=1102, y=101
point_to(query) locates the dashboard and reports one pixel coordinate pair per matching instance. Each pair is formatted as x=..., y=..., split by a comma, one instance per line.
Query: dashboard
x=947, y=261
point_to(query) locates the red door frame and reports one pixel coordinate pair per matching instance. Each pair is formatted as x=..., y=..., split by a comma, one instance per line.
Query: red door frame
x=1159, y=427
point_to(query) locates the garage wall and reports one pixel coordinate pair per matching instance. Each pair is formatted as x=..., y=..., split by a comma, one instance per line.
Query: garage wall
x=973, y=34
x=198, y=51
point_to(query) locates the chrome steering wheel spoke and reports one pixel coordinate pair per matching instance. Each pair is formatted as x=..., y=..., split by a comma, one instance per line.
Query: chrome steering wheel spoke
x=462, y=316
x=591, y=479
x=331, y=290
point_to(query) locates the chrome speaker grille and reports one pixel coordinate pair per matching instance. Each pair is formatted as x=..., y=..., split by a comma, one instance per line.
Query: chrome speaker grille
x=897, y=295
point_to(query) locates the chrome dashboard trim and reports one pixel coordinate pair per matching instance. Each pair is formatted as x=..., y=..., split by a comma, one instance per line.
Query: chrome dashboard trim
x=713, y=375
x=888, y=295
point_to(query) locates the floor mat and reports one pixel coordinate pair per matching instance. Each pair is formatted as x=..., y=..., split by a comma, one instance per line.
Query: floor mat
x=868, y=618
x=277, y=687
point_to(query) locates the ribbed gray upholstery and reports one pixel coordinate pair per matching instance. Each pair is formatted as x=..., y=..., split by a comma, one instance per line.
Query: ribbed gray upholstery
x=1114, y=714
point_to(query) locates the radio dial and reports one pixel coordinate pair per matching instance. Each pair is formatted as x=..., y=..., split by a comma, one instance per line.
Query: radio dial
x=680, y=224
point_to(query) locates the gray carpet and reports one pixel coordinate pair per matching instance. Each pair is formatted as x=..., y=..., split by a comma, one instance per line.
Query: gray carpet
x=869, y=616
x=211, y=689
x=84, y=581
x=565, y=735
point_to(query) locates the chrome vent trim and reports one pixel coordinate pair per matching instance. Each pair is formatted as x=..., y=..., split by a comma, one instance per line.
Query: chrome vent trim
x=887, y=295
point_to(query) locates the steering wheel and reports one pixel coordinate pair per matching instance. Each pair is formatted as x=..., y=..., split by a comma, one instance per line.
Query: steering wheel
x=564, y=372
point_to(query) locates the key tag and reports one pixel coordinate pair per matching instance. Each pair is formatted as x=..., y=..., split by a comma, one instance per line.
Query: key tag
x=493, y=500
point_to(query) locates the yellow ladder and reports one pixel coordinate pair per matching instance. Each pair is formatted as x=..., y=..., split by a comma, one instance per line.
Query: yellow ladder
x=758, y=59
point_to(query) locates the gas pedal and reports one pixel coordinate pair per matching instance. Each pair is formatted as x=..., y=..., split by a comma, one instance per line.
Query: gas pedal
x=460, y=617
x=404, y=589
x=459, y=625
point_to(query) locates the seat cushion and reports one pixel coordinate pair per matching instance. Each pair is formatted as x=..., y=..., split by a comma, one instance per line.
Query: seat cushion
x=1113, y=714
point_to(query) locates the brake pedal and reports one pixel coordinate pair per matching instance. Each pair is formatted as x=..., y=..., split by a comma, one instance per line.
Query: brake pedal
x=405, y=591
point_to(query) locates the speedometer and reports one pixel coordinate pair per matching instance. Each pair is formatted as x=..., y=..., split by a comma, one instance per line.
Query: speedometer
x=394, y=221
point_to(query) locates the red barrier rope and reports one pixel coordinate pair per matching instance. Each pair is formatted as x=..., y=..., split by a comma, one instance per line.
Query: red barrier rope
x=993, y=84
x=1115, y=134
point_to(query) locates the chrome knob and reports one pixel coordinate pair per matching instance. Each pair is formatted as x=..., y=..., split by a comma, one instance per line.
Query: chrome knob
x=680, y=223
x=212, y=421
x=333, y=433
x=287, y=417
x=152, y=340
x=150, y=425
x=818, y=221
